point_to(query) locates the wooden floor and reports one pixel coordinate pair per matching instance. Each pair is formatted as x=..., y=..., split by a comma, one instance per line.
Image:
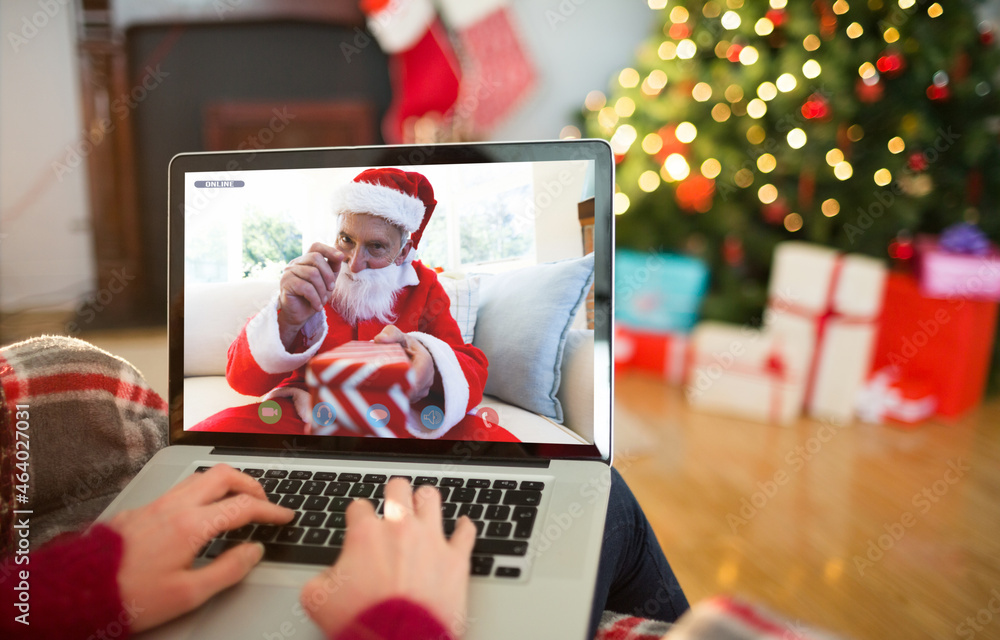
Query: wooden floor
x=870, y=531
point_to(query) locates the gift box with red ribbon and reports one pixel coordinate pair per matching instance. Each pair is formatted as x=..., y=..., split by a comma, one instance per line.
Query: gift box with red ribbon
x=364, y=386
x=744, y=372
x=948, y=343
x=663, y=353
x=826, y=305
x=961, y=263
x=887, y=397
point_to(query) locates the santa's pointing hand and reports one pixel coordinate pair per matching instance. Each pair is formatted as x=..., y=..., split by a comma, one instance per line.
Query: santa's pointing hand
x=305, y=287
x=421, y=362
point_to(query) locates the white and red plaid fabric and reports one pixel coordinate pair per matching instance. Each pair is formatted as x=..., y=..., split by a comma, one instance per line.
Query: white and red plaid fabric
x=355, y=378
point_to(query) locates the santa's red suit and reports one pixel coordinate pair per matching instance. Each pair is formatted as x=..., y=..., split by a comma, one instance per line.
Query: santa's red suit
x=258, y=361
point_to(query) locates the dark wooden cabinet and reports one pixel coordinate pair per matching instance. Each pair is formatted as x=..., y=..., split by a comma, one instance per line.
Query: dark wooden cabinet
x=161, y=77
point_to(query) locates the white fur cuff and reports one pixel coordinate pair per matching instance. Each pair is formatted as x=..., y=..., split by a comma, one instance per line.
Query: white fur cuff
x=456, y=386
x=264, y=340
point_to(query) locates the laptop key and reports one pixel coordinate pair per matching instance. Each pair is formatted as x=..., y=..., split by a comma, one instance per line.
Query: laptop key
x=449, y=526
x=532, y=485
x=274, y=497
x=379, y=491
x=448, y=509
x=524, y=521
x=500, y=547
x=337, y=489
x=254, y=473
x=289, y=486
x=324, y=476
x=350, y=477
x=499, y=529
x=474, y=511
x=489, y=496
x=481, y=565
x=336, y=521
x=290, y=534
x=300, y=475
x=292, y=501
x=508, y=572
x=218, y=546
x=269, y=484
x=202, y=469
x=374, y=478
x=362, y=490
x=463, y=495
x=316, y=536
x=505, y=484
x=480, y=525
x=301, y=554
x=445, y=492
x=312, y=488
x=340, y=504
x=497, y=512
x=421, y=480
x=315, y=503
x=265, y=533
x=313, y=519
x=526, y=498
x=452, y=482
x=242, y=533
x=276, y=473
x=477, y=483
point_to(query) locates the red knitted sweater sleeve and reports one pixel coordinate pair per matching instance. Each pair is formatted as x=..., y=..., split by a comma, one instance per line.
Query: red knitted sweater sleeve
x=69, y=587
x=395, y=619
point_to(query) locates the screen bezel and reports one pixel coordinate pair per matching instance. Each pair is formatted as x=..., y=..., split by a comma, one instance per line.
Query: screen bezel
x=397, y=156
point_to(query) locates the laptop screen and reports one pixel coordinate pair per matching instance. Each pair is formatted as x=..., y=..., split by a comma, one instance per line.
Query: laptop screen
x=394, y=299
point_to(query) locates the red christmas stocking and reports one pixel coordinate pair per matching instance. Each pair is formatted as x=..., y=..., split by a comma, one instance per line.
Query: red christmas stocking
x=498, y=72
x=424, y=71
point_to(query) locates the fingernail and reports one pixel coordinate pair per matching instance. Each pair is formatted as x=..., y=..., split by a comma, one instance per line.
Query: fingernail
x=258, y=552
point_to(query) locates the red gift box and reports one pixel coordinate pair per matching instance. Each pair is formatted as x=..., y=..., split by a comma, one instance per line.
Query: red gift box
x=366, y=384
x=948, y=343
x=662, y=353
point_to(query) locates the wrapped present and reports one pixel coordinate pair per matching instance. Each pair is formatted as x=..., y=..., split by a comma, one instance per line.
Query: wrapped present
x=364, y=386
x=887, y=397
x=657, y=291
x=826, y=305
x=744, y=372
x=661, y=353
x=961, y=263
x=946, y=342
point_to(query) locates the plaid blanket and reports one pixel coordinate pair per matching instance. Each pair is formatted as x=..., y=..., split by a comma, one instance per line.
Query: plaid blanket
x=87, y=423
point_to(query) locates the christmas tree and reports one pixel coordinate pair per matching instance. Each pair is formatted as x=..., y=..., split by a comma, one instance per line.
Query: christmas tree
x=851, y=123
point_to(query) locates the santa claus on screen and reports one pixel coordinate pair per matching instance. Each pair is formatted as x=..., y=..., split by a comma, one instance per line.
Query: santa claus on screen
x=366, y=286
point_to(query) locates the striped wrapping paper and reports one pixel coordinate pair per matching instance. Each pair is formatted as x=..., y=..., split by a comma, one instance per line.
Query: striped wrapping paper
x=354, y=378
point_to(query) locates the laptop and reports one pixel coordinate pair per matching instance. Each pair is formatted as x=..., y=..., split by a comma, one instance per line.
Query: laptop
x=538, y=493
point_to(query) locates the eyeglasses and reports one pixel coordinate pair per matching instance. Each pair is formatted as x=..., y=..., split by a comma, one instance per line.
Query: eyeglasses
x=377, y=255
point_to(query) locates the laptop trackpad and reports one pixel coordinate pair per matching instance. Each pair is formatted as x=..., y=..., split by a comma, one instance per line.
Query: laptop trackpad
x=245, y=611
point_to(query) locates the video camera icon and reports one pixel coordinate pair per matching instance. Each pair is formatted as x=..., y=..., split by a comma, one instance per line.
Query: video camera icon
x=269, y=412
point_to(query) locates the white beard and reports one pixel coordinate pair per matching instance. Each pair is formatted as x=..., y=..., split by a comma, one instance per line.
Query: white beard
x=368, y=294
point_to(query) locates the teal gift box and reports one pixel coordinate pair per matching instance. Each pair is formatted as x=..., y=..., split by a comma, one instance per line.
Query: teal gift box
x=658, y=291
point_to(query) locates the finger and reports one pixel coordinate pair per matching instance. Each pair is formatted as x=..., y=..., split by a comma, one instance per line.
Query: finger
x=358, y=512
x=334, y=255
x=398, y=500
x=229, y=568
x=306, y=290
x=389, y=335
x=236, y=511
x=312, y=276
x=220, y=481
x=464, y=536
x=427, y=505
x=323, y=266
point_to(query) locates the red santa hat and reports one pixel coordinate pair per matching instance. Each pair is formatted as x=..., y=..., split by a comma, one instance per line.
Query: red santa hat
x=402, y=198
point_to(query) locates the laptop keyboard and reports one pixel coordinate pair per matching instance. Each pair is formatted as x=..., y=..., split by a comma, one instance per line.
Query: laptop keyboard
x=503, y=511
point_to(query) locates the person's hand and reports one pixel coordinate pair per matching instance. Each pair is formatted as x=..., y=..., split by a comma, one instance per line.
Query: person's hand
x=161, y=540
x=306, y=285
x=403, y=555
x=421, y=362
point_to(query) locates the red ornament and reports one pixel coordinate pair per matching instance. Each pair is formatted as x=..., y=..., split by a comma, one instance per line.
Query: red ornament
x=671, y=144
x=901, y=249
x=679, y=31
x=938, y=92
x=732, y=250
x=869, y=92
x=917, y=162
x=733, y=53
x=775, y=212
x=986, y=33
x=777, y=17
x=695, y=193
x=817, y=107
x=891, y=64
